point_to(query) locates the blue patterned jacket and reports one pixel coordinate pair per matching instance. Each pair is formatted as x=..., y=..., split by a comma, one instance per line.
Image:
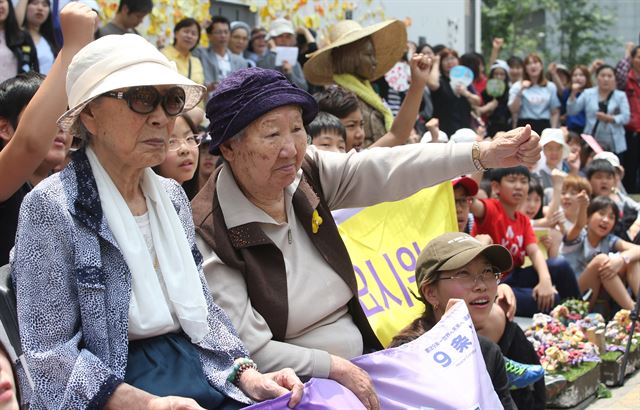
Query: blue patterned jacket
x=73, y=288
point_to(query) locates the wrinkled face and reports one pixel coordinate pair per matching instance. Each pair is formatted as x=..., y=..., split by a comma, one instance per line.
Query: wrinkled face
x=512, y=189
x=207, y=162
x=269, y=154
x=239, y=40
x=533, y=204
x=4, y=11
x=219, y=36
x=602, y=183
x=37, y=12
x=515, y=72
x=133, y=141
x=8, y=396
x=180, y=164
x=187, y=37
x=367, y=63
x=133, y=20
x=578, y=77
x=354, y=124
x=478, y=296
x=463, y=204
x=329, y=141
x=606, y=79
x=602, y=222
x=553, y=153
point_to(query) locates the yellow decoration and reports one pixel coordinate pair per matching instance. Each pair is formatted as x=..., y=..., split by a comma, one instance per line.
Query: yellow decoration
x=316, y=14
x=316, y=221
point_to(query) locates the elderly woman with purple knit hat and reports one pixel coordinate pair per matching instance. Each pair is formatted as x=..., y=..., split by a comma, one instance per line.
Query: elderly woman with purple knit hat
x=273, y=258
x=112, y=302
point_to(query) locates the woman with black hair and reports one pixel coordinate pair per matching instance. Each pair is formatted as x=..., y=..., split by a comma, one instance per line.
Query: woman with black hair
x=39, y=22
x=186, y=38
x=17, y=51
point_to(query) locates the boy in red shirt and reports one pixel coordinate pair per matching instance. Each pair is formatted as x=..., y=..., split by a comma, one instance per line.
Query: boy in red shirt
x=540, y=287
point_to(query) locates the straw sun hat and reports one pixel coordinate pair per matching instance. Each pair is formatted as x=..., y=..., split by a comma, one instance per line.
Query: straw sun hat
x=389, y=41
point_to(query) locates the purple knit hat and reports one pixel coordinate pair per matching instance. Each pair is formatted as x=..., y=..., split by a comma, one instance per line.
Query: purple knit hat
x=247, y=94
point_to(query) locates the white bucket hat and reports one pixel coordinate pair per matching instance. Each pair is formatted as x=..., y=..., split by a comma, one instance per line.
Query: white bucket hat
x=554, y=135
x=280, y=26
x=120, y=61
x=611, y=157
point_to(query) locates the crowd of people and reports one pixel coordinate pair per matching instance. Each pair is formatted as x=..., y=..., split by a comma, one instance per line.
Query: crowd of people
x=135, y=290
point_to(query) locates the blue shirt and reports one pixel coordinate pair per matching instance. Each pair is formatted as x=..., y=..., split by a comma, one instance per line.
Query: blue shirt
x=537, y=101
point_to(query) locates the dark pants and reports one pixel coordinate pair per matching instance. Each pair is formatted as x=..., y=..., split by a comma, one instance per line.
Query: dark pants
x=169, y=365
x=630, y=162
x=522, y=281
x=536, y=125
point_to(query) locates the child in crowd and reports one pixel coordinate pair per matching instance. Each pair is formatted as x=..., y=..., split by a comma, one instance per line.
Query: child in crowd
x=345, y=105
x=572, y=186
x=598, y=257
x=10, y=398
x=602, y=177
x=327, y=133
x=555, y=149
x=532, y=207
x=538, y=287
x=455, y=265
x=615, y=162
x=181, y=162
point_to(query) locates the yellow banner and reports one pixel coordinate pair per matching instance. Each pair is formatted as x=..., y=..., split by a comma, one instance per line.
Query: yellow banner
x=384, y=242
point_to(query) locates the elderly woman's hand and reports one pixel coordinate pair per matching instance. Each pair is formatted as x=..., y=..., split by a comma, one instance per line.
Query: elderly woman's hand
x=78, y=24
x=355, y=379
x=520, y=146
x=267, y=386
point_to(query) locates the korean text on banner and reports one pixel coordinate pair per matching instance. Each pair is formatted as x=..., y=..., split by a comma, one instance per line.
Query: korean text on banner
x=424, y=374
x=384, y=242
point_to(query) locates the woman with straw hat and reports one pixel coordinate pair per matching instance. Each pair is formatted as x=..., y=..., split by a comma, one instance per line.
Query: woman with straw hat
x=356, y=56
x=112, y=305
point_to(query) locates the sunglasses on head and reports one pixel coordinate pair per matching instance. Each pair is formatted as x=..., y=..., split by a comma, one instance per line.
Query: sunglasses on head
x=145, y=99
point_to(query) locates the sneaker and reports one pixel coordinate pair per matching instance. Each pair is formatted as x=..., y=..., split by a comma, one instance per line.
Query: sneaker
x=522, y=375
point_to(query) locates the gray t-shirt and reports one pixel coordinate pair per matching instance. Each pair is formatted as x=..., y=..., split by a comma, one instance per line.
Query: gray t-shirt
x=579, y=252
x=111, y=28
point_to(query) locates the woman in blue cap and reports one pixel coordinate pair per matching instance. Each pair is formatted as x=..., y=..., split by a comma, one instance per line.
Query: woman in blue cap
x=273, y=258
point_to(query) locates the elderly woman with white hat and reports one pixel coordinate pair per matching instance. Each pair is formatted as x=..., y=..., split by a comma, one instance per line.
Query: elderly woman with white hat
x=111, y=297
x=273, y=257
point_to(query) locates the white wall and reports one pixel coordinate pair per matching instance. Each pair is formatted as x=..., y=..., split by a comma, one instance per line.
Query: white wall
x=440, y=21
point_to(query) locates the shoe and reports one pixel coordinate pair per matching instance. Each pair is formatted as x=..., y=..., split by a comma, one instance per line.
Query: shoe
x=522, y=375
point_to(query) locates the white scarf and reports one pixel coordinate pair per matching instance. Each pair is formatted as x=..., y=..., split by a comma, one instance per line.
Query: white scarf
x=175, y=260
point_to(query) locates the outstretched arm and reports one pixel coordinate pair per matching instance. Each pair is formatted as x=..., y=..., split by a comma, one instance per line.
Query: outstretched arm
x=406, y=118
x=37, y=128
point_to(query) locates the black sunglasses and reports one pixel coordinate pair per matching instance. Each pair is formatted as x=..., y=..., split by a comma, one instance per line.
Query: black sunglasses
x=144, y=100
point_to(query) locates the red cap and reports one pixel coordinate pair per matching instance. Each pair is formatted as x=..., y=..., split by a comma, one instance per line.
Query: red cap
x=467, y=183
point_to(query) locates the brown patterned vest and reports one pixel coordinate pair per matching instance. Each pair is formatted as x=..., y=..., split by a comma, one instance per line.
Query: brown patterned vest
x=249, y=250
